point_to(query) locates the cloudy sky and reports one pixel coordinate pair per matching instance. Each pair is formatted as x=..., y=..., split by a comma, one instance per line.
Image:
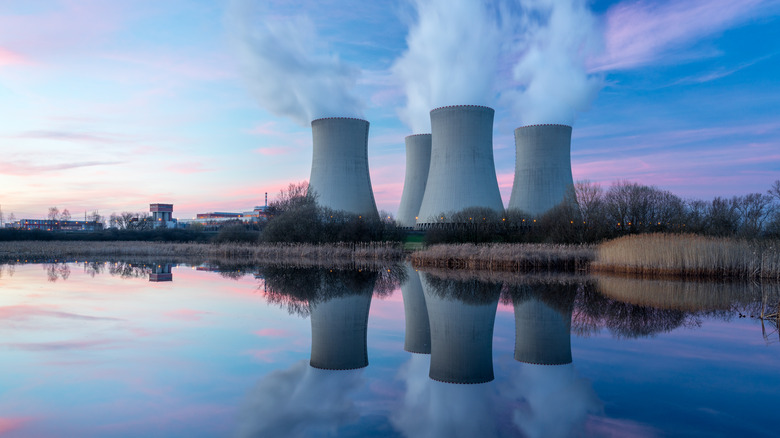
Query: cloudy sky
x=110, y=106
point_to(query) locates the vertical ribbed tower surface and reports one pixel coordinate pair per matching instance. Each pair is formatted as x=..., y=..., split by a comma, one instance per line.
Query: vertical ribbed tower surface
x=339, y=168
x=461, y=334
x=339, y=327
x=542, y=333
x=418, y=161
x=417, y=337
x=542, y=168
x=462, y=172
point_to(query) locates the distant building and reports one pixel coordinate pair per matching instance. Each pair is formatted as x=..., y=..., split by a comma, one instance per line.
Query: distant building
x=162, y=215
x=55, y=225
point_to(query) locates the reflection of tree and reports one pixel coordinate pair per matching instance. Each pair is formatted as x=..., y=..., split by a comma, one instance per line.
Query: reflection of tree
x=94, y=268
x=56, y=271
x=128, y=270
x=299, y=288
x=467, y=290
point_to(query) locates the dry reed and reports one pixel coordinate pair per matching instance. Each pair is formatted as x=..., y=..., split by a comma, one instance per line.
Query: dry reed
x=228, y=252
x=505, y=257
x=689, y=256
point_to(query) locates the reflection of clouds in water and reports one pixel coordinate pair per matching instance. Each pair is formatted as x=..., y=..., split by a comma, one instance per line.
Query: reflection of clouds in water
x=545, y=401
x=300, y=401
x=553, y=400
x=433, y=409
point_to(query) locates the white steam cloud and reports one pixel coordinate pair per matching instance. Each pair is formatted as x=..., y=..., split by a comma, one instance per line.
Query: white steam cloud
x=451, y=58
x=552, y=84
x=288, y=68
x=527, y=56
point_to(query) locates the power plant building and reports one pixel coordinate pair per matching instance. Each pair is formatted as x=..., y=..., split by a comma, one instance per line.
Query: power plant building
x=418, y=161
x=542, y=168
x=462, y=172
x=339, y=169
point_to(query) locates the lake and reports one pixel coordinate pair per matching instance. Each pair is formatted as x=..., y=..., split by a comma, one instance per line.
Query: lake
x=120, y=349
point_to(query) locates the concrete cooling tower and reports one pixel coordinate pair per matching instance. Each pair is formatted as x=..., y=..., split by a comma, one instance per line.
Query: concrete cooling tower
x=417, y=337
x=542, y=330
x=461, y=331
x=418, y=160
x=338, y=332
x=462, y=172
x=339, y=168
x=542, y=168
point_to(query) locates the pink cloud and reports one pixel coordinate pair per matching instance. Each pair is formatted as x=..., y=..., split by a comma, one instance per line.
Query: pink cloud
x=639, y=33
x=273, y=150
x=8, y=57
x=188, y=168
x=273, y=333
x=11, y=424
x=613, y=427
x=187, y=314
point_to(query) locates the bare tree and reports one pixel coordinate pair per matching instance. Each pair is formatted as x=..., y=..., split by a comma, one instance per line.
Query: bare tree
x=95, y=217
x=54, y=213
x=65, y=215
x=774, y=191
x=754, y=209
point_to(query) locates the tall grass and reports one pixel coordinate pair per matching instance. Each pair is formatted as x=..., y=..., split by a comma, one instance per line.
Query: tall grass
x=243, y=252
x=505, y=257
x=691, y=256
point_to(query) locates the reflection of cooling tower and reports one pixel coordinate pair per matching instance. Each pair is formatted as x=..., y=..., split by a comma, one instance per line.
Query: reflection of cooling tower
x=418, y=160
x=461, y=336
x=338, y=332
x=462, y=173
x=339, y=168
x=543, y=333
x=542, y=168
x=418, y=332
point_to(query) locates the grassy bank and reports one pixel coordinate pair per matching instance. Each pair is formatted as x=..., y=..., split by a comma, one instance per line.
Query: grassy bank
x=232, y=252
x=505, y=257
x=689, y=256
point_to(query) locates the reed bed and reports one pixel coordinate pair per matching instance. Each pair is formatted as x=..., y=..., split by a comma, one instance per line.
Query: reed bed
x=505, y=257
x=227, y=252
x=689, y=256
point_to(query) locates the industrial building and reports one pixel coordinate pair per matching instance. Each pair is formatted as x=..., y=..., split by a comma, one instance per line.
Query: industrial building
x=418, y=161
x=55, y=225
x=543, y=324
x=462, y=172
x=542, y=168
x=162, y=215
x=339, y=169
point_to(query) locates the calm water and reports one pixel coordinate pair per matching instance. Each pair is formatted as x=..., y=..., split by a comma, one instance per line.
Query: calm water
x=117, y=350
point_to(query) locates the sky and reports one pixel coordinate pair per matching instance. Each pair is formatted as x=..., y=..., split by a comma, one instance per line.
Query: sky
x=111, y=106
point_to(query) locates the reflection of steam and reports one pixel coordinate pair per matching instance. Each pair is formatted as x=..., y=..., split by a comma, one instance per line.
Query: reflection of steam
x=417, y=338
x=461, y=316
x=554, y=400
x=433, y=409
x=300, y=401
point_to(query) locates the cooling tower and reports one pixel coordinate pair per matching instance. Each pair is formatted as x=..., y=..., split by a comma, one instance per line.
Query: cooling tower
x=543, y=326
x=542, y=168
x=417, y=337
x=338, y=332
x=418, y=160
x=461, y=331
x=462, y=172
x=339, y=168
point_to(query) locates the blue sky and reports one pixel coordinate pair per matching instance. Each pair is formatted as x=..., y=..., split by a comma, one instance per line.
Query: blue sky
x=111, y=106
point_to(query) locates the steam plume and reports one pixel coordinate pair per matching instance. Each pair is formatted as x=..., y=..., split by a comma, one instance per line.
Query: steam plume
x=288, y=68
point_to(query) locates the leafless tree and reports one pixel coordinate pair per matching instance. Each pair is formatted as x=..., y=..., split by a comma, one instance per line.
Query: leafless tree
x=54, y=213
x=65, y=215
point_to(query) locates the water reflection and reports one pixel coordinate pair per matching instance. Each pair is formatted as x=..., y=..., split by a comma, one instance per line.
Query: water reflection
x=417, y=336
x=161, y=272
x=461, y=314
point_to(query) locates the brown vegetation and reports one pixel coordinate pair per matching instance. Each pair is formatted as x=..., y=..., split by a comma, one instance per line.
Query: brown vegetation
x=690, y=256
x=506, y=257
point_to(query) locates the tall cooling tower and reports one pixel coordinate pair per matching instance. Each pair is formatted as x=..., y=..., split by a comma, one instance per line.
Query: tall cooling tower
x=339, y=168
x=542, y=168
x=462, y=172
x=418, y=160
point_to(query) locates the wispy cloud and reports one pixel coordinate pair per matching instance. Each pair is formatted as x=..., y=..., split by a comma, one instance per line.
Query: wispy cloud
x=25, y=312
x=25, y=168
x=187, y=314
x=8, y=57
x=639, y=33
x=68, y=136
x=97, y=344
